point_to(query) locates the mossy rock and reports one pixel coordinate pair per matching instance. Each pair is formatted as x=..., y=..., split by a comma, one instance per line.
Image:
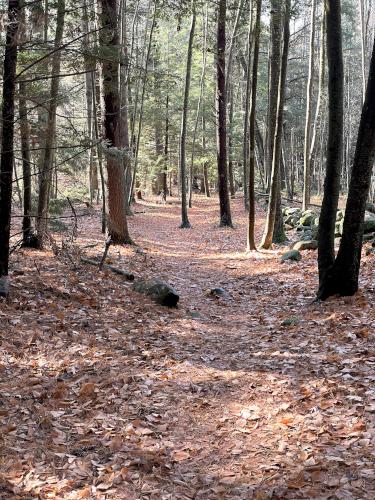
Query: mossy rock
x=292, y=211
x=294, y=255
x=308, y=217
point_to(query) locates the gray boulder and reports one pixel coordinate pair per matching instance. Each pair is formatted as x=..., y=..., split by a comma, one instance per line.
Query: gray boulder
x=369, y=223
x=291, y=255
x=159, y=291
x=306, y=245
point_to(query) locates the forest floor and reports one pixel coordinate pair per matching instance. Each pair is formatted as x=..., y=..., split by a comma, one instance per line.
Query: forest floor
x=260, y=393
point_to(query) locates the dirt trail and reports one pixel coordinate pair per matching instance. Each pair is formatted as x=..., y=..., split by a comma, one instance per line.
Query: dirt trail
x=257, y=394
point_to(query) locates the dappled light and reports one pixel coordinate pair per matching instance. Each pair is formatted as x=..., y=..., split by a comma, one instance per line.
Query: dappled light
x=255, y=392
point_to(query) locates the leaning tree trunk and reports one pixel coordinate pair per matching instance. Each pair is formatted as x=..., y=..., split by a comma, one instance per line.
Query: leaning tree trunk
x=117, y=224
x=276, y=149
x=46, y=167
x=342, y=278
x=251, y=220
x=184, y=211
x=307, y=143
x=221, y=102
x=7, y=152
x=327, y=220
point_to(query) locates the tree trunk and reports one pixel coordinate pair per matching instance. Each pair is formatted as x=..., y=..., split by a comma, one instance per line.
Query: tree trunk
x=46, y=167
x=275, y=187
x=327, y=221
x=26, y=168
x=342, y=278
x=117, y=224
x=274, y=80
x=307, y=144
x=200, y=101
x=7, y=152
x=184, y=211
x=251, y=220
x=140, y=120
x=245, y=145
x=230, y=144
x=221, y=103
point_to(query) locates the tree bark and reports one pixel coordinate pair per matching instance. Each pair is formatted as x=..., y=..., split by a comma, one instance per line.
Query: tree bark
x=275, y=187
x=342, y=278
x=307, y=143
x=221, y=103
x=117, y=224
x=184, y=210
x=245, y=145
x=251, y=220
x=46, y=167
x=26, y=168
x=327, y=221
x=7, y=152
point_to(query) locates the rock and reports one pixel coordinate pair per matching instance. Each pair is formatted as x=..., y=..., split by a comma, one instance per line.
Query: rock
x=308, y=217
x=368, y=237
x=337, y=242
x=218, y=292
x=369, y=251
x=370, y=207
x=291, y=255
x=307, y=236
x=292, y=211
x=292, y=321
x=292, y=220
x=159, y=291
x=306, y=245
x=369, y=223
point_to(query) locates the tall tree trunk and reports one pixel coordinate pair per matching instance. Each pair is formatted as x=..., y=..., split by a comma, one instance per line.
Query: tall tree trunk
x=117, y=226
x=275, y=187
x=251, y=220
x=321, y=86
x=47, y=168
x=245, y=146
x=307, y=144
x=184, y=211
x=230, y=144
x=199, y=106
x=7, y=152
x=27, y=238
x=166, y=150
x=327, y=220
x=205, y=164
x=363, y=48
x=342, y=278
x=274, y=80
x=140, y=120
x=221, y=103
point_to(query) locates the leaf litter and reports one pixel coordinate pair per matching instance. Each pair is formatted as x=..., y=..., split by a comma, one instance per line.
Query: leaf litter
x=106, y=395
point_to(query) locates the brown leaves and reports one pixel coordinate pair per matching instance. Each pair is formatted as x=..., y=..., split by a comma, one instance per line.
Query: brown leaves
x=104, y=395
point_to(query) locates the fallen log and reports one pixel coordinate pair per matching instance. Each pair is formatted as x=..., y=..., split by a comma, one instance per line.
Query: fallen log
x=116, y=270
